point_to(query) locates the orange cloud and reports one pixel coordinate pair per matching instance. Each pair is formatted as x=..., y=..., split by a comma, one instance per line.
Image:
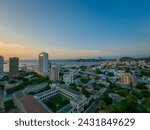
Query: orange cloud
x=18, y=50
x=25, y=52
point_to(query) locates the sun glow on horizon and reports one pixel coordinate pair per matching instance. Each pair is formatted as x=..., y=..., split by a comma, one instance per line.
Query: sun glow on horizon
x=24, y=52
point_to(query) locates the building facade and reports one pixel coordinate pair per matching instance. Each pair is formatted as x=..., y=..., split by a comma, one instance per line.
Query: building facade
x=54, y=73
x=28, y=104
x=1, y=63
x=43, y=63
x=77, y=100
x=14, y=66
x=126, y=78
x=68, y=77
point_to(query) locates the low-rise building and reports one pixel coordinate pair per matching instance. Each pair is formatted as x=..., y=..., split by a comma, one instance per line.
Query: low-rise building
x=35, y=88
x=77, y=100
x=115, y=97
x=126, y=78
x=1, y=99
x=68, y=77
x=28, y=104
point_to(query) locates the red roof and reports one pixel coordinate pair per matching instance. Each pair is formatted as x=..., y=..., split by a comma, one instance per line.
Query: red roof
x=31, y=105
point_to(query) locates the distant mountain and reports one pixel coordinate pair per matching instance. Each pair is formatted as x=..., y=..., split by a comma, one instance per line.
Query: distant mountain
x=88, y=60
x=94, y=60
x=147, y=59
x=126, y=59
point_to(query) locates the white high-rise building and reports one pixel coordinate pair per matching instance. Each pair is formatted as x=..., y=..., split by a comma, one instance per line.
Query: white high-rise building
x=1, y=63
x=43, y=63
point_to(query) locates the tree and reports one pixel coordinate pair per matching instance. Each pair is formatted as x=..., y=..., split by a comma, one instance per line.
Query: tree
x=148, y=109
x=84, y=80
x=146, y=100
x=141, y=86
x=78, y=76
x=25, y=80
x=12, y=81
x=117, y=108
x=127, y=69
x=123, y=92
x=9, y=105
x=98, y=71
x=50, y=82
x=137, y=94
x=101, y=85
x=145, y=93
x=131, y=103
x=145, y=72
x=5, y=78
x=61, y=82
x=96, y=88
x=73, y=86
x=85, y=92
x=107, y=99
x=83, y=67
x=110, y=74
x=61, y=74
x=2, y=86
x=102, y=104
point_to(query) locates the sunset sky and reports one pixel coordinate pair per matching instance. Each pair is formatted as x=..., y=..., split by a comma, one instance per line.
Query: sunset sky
x=74, y=28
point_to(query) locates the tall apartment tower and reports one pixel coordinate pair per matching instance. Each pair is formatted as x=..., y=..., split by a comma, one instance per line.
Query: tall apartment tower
x=13, y=66
x=1, y=63
x=43, y=63
x=54, y=73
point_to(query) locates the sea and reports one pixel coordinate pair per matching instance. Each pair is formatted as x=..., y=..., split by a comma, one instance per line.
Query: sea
x=34, y=63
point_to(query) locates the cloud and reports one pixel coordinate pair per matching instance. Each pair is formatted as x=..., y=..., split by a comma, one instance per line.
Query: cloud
x=8, y=49
x=18, y=50
x=10, y=45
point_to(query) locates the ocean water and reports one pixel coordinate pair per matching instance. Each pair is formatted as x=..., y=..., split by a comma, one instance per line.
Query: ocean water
x=34, y=63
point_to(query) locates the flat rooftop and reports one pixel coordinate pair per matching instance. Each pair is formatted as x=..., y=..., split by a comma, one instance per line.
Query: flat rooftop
x=19, y=94
x=70, y=90
x=65, y=109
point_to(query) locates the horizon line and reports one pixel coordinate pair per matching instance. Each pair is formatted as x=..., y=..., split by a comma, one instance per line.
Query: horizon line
x=96, y=58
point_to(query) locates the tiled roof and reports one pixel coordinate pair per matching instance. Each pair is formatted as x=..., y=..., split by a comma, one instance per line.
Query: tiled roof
x=31, y=105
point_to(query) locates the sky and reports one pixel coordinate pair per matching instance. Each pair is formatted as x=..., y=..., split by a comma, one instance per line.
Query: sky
x=68, y=29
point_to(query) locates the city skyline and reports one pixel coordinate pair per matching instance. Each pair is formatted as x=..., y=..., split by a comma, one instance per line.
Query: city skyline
x=74, y=29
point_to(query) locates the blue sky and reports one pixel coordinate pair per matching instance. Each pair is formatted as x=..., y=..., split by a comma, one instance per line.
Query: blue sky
x=74, y=28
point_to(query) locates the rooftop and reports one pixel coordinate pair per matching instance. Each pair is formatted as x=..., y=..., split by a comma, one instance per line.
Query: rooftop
x=31, y=105
x=70, y=90
x=65, y=109
x=19, y=94
x=45, y=92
